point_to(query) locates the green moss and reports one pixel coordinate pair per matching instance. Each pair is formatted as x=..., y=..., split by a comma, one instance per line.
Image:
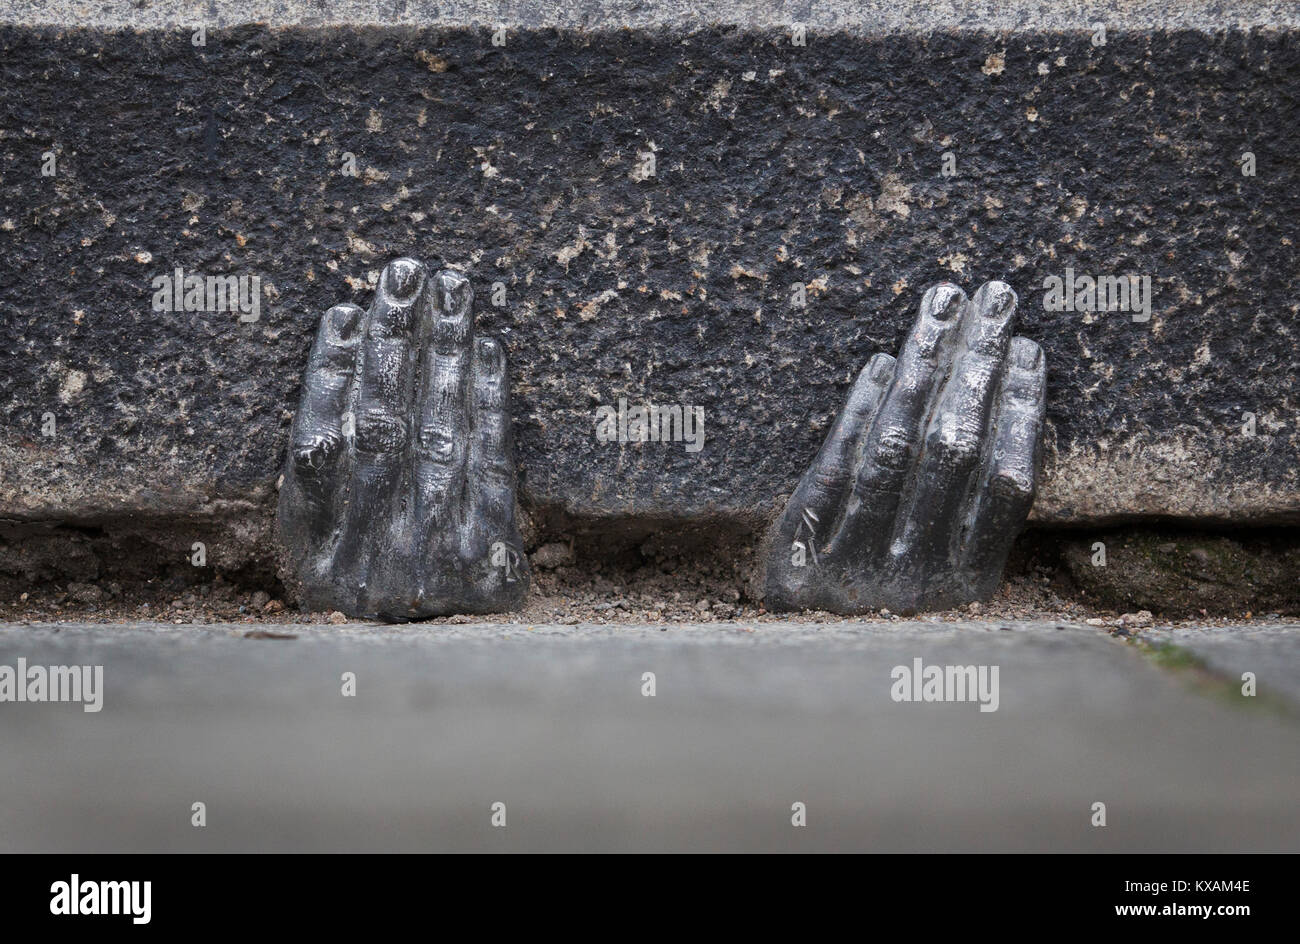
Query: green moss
x=1194, y=672
x=1167, y=655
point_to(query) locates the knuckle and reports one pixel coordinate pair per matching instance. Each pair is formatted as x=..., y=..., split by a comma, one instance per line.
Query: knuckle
x=379, y=431
x=827, y=480
x=495, y=474
x=490, y=395
x=894, y=449
x=960, y=448
x=956, y=440
x=311, y=453
x=437, y=443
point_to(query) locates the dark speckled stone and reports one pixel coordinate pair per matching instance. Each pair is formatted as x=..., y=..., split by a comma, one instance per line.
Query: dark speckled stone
x=774, y=165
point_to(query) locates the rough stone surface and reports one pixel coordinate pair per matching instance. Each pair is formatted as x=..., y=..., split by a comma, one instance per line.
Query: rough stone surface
x=1186, y=574
x=862, y=16
x=525, y=164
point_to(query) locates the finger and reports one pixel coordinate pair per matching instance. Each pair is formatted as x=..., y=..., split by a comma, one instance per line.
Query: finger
x=380, y=408
x=816, y=501
x=315, y=474
x=383, y=392
x=490, y=518
x=317, y=439
x=442, y=434
x=889, y=450
x=958, y=433
x=1006, y=492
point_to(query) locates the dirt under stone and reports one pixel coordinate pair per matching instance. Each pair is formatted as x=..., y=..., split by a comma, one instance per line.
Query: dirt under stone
x=643, y=572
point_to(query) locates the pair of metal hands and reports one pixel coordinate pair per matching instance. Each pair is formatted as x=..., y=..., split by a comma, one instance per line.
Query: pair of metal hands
x=398, y=495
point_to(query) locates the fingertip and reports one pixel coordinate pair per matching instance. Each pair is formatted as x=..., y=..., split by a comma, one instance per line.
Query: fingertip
x=455, y=293
x=454, y=324
x=342, y=324
x=1012, y=483
x=402, y=279
x=992, y=314
x=996, y=300
x=943, y=302
x=393, y=312
x=1026, y=377
x=490, y=373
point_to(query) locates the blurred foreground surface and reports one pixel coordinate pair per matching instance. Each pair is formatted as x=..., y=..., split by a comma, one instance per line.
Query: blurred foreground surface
x=551, y=721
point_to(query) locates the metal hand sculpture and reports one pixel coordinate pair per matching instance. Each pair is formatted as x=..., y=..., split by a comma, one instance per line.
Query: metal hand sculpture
x=928, y=473
x=398, y=497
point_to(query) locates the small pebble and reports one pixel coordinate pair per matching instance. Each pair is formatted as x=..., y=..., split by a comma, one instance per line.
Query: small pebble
x=1136, y=620
x=551, y=556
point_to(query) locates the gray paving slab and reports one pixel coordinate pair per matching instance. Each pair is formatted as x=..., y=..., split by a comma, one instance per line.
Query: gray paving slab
x=552, y=722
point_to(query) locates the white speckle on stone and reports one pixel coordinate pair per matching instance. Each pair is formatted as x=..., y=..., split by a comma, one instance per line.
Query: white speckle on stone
x=956, y=262
x=894, y=196
x=74, y=381
x=721, y=89
x=567, y=254
x=359, y=245
x=995, y=64
x=591, y=307
x=144, y=257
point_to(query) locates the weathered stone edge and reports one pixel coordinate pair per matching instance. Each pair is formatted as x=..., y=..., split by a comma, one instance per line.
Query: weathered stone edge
x=856, y=16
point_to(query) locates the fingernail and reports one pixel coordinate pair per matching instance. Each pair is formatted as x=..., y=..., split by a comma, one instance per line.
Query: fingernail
x=944, y=302
x=402, y=278
x=881, y=369
x=1026, y=354
x=996, y=300
x=454, y=293
x=453, y=322
x=344, y=320
x=988, y=330
x=491, y=357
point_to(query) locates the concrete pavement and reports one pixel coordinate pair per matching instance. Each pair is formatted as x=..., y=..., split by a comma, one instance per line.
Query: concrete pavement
x=552, y=722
